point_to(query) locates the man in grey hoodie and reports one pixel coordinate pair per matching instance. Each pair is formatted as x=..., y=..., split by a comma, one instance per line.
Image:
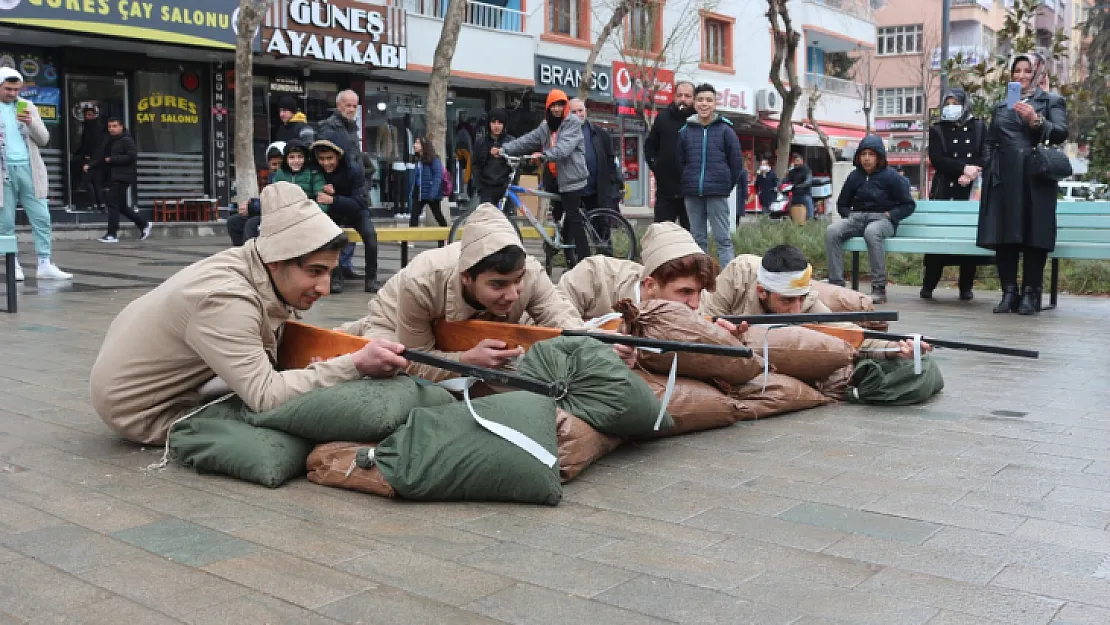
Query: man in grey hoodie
x=559, y=142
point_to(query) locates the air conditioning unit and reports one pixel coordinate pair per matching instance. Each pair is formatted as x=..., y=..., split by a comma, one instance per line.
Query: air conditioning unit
x=768, y=101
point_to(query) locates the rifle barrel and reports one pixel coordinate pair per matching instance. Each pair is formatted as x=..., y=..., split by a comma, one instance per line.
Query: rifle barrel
x=840, y=317
x=493, y=376
x=971, y=347
x=666, y=346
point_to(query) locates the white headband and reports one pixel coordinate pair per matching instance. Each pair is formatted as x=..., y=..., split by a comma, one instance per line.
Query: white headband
x=787, y=283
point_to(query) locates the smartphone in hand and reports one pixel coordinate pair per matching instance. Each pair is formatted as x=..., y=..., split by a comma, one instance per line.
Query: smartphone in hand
x=1013, y=94
x=21, y=107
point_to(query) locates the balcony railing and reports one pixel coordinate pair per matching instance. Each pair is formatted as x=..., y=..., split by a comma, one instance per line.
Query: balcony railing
x=837, y=86
x=478, y=14
x=969, y=55
x=985, y=4
x=862, y=9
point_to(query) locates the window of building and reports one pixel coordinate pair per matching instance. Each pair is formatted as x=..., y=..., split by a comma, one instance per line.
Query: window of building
x=899, y=101
x=717, y=41
x=987, y=40
x=900, y=39
x=644, y=26
x=564, y=18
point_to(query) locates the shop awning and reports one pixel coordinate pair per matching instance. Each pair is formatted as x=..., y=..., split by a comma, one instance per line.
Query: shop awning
x=802, y=135
x=841, y=136
x=903, y=158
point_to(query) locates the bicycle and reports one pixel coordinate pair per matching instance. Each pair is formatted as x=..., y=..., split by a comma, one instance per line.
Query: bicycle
x=608, y=232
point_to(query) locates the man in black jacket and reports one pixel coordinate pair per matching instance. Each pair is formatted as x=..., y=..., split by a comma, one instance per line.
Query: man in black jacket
x=873, y=200
x=661, y=148
x=490, y=173
x=346, y=200
x=294, y=124
x=86, y=155
x=801, y=176
x=605, y=182
x=120, y=159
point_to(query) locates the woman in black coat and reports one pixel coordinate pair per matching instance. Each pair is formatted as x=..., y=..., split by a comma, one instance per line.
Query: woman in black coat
x=957, y=145
x=1017, y=214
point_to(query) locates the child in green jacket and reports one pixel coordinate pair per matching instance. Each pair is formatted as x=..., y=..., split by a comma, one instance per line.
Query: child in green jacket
x=297, y=168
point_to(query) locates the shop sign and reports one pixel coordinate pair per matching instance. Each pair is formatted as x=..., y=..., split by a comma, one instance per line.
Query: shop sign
x=166, y=109
x=898, y=125
x=340, y=31
x=206, y=23
x=735, y=98
x=286, y=84
x=636, y=84
x=221, y=143
x=568, y=75
x=40, y=82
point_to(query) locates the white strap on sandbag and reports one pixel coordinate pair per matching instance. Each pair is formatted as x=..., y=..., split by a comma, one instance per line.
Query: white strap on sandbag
x=671, y=378
x=767, y=353
x=597, y=322
x=462, y=385
x=161, y=464
x=917, y=368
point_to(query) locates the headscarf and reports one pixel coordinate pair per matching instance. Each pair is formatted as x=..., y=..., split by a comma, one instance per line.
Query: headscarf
x=961, y=98
x=1036, y=60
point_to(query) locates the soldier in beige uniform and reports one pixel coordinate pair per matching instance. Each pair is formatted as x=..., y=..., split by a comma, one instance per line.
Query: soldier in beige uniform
x=215, y=326
x=487, y=275
x=779, y=283
x=674, y=269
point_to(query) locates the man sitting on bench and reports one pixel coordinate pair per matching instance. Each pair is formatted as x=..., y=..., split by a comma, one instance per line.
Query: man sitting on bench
x=214, y=327
x=487, y=275
x=345, y=196
x=872, y=202
x=778, y=283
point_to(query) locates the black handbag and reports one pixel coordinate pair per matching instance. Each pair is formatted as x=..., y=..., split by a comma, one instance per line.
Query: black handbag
x=1049, y=162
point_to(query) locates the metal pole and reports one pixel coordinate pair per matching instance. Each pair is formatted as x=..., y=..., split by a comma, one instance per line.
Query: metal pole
x=945, y=28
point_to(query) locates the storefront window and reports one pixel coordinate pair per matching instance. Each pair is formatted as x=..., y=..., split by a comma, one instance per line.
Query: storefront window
x=168, y=112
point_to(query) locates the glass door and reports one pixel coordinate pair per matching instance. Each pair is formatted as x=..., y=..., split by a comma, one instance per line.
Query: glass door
x=92, y=100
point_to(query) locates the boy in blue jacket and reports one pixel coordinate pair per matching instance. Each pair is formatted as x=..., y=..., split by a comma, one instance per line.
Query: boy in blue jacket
x=875, y=198
x=710, y=160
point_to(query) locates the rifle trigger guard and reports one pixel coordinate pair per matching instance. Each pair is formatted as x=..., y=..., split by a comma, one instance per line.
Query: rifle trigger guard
x=563, y=389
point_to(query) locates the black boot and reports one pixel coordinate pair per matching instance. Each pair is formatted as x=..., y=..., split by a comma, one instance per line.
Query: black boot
x=967, y=295
x=1030, y=301
x=336, y=280
x=1010, y=299
x=372, y=286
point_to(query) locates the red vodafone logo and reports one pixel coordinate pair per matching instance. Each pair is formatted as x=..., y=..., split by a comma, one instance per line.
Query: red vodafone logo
x=630, y=84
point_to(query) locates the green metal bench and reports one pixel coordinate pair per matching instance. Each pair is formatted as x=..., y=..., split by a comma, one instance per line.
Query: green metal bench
x=949, y=227
x=8, y=249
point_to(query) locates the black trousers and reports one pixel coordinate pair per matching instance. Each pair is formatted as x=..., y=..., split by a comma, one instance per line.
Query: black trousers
x=348, y=213
x=120, y=204
x=935, y=264
x=569, y=208
x=243, y=228
x=418, y=210
x=1007, y=256
x=90, y=182
x=671, y=208
x=491, y=195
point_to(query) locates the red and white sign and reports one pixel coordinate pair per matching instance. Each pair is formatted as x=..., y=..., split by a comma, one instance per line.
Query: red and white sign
x=734, y=98
x=636, y=84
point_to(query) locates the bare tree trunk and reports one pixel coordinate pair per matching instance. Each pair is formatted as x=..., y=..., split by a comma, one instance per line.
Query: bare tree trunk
x=441, y=76
x=246, y=178
x=811, y=109
x=619, y=13
x=785, y=41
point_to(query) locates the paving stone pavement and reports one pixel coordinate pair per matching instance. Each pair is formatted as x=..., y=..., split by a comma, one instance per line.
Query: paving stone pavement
x=989, y=505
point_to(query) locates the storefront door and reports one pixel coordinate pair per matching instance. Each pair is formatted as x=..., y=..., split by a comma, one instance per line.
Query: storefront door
x=108, y=95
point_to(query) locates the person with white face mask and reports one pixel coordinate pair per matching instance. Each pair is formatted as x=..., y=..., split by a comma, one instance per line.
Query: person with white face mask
x=957, y=150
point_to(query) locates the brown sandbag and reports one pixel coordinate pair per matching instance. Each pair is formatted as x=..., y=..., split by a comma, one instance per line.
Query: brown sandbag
x=834, y=386
x=329, y=463
x=783, y=394
x=843, y=299
x=675, y=321
x=579, y=444
x=799, y=352
x=695, y=405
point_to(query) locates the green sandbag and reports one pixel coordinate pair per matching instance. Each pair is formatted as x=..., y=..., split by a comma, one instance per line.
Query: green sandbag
x=231, y=447
x=363, y=410
x=443, y=454
x=893, y=382
x=602, y=390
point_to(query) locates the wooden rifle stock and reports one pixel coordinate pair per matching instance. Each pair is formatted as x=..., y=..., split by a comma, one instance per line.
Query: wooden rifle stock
x=301, y=343
x=459, y=336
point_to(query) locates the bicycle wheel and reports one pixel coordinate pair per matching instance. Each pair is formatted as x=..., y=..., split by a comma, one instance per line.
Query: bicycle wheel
x=455, y=233
x=610, y=234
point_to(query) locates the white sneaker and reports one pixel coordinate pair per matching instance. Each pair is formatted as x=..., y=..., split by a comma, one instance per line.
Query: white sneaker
x=146, y=232
x=18, y=272
x=400, y=216
x=50, y=271
x=108, y=239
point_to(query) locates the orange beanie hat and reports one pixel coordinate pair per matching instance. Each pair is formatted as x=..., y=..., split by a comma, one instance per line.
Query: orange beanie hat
x=556, y=95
